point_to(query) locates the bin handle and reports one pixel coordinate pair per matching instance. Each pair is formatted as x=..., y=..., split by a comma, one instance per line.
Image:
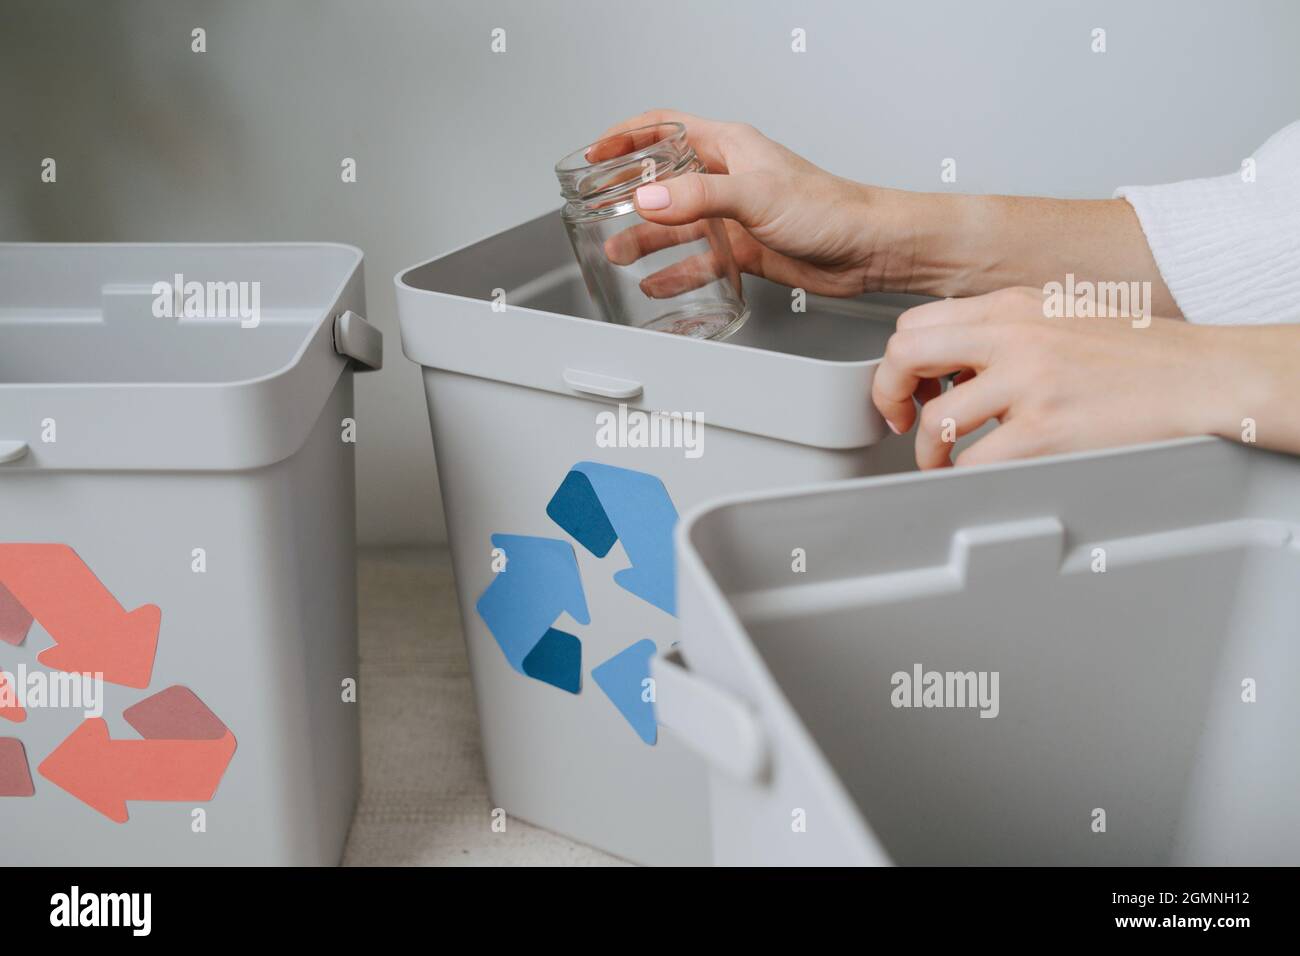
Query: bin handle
x=605, y=386
x=711, y=721
x=12, y=451
x=357, y=339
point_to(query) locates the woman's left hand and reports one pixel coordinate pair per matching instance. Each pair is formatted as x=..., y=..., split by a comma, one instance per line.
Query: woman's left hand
x=1068, y=384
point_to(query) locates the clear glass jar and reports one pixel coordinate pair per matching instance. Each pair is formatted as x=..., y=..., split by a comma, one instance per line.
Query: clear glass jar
x=678, y=279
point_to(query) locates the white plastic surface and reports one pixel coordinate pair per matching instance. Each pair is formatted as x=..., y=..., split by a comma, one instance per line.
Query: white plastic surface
x=195, y=465
x=360, y=341
x=713, y=723
x=78, y=337
x=515, y=398
x=1139, y=607
x=12, y=451
x=602, y=386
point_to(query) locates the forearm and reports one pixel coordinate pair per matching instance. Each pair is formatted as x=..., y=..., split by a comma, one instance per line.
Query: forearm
x=945, y=244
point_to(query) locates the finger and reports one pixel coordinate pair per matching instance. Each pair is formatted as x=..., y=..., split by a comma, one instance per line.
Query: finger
x=628, y=141
x=626, y=247
x=690, y=273
x=1014, y=439
x=694, y=196
x=704, y=135
x=757, y=259
x=956, y=413
x=914, y=354
x=641, y=240
x=945, y=312
x=1013, y=304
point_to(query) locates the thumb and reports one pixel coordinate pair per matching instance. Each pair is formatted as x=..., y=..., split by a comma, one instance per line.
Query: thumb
x=692, y=196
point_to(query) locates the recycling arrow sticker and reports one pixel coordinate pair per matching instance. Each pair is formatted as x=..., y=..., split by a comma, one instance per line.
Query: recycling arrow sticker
x=540, y=581
x=93, y=633
x=185, y=749
x=184, y=753
x=597, y=505
x=600, y=504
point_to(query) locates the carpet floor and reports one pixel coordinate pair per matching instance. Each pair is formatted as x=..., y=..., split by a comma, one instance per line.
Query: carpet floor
x=424, y=798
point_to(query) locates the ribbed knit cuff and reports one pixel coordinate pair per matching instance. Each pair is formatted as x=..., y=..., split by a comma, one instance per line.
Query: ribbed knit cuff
x=1229, y=248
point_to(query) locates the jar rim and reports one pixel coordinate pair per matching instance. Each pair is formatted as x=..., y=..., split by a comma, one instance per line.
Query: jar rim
x=575, y=169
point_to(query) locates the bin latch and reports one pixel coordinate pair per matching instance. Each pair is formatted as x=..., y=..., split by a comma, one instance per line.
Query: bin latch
x=357, y=339
x=711, y=721
x=606, y=386
x=12, y=451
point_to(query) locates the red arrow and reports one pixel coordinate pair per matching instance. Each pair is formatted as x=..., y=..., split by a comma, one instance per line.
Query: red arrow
x=14, y=619
x=92, y=632
x=104, y=773
x=10, y=709
x=15, y=778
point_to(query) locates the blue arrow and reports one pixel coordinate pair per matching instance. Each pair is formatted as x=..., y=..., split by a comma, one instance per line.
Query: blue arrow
x=576, y=509
x=540, y=582
x=556, y=660
x=637, y=508
x=623, y=678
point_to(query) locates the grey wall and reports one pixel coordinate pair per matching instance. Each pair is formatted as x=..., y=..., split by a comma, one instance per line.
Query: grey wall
x=453, y=142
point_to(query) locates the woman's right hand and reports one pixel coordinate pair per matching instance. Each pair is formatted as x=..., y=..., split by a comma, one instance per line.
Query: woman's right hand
x=796, y=224
x=787, y=220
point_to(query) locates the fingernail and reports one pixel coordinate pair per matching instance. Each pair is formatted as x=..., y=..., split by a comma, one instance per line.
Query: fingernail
x=892, y=427
x=653, y=197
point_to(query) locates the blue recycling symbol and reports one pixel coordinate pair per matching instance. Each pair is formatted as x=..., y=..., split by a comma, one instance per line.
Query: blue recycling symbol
x=597, y=505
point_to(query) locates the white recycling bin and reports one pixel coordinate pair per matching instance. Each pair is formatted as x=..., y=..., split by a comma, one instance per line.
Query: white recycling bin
x=1089, y=659
x=561, y=492
x=177, y=552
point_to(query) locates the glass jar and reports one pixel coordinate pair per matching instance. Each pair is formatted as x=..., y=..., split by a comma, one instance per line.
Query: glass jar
x=678, y=279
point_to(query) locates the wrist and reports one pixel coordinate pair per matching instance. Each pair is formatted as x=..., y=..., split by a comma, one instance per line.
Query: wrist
x=928, y=243
x=1223, y=385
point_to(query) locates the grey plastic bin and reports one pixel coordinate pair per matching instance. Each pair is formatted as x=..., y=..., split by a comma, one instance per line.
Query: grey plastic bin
x=1140, y=607
x=519, y=379
x=177, y=513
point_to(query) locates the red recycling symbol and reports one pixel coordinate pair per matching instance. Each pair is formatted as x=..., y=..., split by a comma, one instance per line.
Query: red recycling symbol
x=185, y=748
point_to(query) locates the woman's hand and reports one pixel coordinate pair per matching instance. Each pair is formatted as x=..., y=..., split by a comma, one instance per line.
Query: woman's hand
x=787, y=220
x=798, y=225
x=1059, y=385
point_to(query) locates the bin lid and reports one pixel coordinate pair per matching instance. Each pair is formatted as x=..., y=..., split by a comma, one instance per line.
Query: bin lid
x=513, y=308
x=168, y=356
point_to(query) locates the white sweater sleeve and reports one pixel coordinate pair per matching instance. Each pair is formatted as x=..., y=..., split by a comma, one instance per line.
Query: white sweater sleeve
x=1228, y=248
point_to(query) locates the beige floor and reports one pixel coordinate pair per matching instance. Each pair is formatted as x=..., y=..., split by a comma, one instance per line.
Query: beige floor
x=424, y=798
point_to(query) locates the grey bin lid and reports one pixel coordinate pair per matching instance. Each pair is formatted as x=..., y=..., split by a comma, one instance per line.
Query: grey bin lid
x=90, y=340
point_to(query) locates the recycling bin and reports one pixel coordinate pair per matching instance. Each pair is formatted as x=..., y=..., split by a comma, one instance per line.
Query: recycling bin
x=566, y=447
x=177, y=562
x=1090, y=659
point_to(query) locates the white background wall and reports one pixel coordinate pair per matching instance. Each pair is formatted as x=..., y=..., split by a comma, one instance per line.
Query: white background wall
x=452, y=142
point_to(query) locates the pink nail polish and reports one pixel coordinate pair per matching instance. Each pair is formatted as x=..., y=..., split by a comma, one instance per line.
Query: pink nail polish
x=892, y=427
x=653, y=196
